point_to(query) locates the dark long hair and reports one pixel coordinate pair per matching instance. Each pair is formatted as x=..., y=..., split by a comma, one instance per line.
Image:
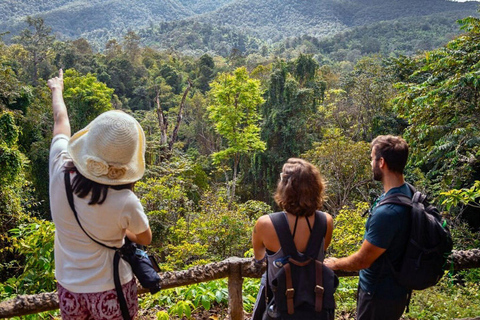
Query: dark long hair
x=82, y=186
x=301, y=188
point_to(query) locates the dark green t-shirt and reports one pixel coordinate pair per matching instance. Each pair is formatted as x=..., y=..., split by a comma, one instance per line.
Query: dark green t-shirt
x=387, y=228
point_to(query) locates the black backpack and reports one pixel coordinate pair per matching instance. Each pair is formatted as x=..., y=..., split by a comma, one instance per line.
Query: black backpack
x=429, y=244
x=304, y=287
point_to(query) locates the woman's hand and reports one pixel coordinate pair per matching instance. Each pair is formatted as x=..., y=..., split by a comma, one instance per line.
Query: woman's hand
x=57, y=82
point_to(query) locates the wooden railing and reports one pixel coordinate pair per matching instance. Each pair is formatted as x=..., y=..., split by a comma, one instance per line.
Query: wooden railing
x=235, y=269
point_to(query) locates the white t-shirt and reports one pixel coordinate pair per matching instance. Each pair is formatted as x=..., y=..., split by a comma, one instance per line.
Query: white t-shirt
x=81, y=265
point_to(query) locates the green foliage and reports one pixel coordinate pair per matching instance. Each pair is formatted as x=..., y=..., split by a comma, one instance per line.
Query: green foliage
x=34, y=241
x=345, y=165
x=213, y=234
x=455, y=202
x=349, y=226
x=186, y=300
x=346, y=298
x=37, y=43
x=12, y=161
x=289, y=114
x=9, y=84
x=440, y=98
x=235, y=100
x=360, y=106
x=170, y=192
x=85, y=97
x=464, y=196
x=12, y=187
x=446, y=301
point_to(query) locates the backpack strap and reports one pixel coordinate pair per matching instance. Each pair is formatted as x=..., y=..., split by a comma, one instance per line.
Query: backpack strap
x=290, y=292
x=280, y=222
x=317, y=236
x=396, y=198
x=116, y=258
x=319, y=289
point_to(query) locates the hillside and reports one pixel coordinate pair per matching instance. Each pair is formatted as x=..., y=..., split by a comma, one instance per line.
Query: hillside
x=218, y=25
x=93, y=20
x=402, y=36
x=273, y=20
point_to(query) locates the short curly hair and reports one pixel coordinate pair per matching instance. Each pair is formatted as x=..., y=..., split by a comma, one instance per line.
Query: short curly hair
x=301, y=189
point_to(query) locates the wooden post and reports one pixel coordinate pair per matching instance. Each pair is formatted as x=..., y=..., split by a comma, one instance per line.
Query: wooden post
x=235, y=282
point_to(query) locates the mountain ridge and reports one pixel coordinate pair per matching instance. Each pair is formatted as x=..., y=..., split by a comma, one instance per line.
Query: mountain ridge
x=270, y=21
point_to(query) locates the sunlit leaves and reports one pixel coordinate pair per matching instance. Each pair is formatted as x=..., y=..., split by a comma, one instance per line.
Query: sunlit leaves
x=440, y=99
x=235, y=100
x=86, y=98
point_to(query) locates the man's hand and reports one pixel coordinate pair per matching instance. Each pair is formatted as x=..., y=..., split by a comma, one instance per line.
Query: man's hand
x=330, y=262
x=57, y=82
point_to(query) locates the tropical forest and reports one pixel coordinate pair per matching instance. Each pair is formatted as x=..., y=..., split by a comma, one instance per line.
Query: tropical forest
x=226, y=92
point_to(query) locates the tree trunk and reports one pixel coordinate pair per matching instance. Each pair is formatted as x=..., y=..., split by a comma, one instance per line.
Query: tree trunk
x=179, y=117
x=162, y=120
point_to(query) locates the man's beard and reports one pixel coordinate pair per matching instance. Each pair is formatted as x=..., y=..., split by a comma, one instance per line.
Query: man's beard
x=377, y=173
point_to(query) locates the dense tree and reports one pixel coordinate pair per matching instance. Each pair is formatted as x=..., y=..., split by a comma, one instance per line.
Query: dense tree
x=440, y=98
x=235, y=98
x=286, y=128
x=76, y=54
x=345, y=165
x=38, y=43
x=205, y=72
x=12, y=185
x=85, y=97
x=360, y=107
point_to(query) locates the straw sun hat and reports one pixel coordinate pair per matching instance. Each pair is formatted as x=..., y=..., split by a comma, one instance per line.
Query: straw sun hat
x=110, y=150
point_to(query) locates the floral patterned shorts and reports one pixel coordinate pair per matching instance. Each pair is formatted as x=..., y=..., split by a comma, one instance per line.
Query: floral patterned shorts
x=97, y=305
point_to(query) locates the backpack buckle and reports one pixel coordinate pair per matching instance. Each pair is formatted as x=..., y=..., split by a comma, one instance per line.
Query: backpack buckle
x=290, y=293
x=319, y=289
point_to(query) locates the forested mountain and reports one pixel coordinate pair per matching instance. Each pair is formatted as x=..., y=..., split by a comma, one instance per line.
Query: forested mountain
x=277, y=19
x=93, y=20
x=402, y=36
x=240, y=24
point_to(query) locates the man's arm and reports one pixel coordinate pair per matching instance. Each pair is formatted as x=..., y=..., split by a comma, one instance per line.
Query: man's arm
x=60, y=116
x=361, y=259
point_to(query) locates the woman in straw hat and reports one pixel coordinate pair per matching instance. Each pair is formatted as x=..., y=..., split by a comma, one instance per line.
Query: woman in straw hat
x=104, y=160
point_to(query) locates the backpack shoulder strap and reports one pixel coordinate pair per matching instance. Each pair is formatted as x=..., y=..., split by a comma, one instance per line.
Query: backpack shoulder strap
x=396, y=198
x=280, y=222
x=319, y=230
x=402, y=199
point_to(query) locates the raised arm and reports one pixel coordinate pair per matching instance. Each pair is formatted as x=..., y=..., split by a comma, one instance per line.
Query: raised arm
x=61, y=123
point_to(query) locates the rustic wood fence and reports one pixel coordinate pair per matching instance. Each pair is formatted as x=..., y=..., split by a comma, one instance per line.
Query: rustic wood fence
x=235, y=269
